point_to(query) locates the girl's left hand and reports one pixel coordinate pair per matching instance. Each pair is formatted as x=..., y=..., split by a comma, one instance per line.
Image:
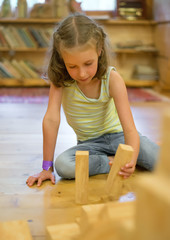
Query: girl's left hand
x=127, y=170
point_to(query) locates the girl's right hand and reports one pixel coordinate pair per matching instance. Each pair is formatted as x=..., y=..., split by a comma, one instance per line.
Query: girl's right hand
x=40, y=177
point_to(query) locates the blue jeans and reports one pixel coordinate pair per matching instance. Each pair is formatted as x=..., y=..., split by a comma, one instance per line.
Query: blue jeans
x=99, y=150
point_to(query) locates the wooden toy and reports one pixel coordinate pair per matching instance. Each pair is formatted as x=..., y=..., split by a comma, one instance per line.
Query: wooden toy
x=114, y=181
x=82, y=177
x=15, y=230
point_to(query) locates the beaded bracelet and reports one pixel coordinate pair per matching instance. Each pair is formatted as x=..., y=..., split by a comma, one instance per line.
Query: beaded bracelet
x=47, y=164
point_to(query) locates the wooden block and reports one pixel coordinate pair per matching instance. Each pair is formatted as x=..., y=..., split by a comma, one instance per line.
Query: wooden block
x=126, y=229
x=82, y=177
x=117, y=211
x=153, y=208
x=163, y=166
x=109, y=218
x=89, y=215
x=114, y=181
x=62, y=231
x=15, y=230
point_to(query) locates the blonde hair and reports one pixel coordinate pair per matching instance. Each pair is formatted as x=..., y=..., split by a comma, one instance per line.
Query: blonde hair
x=76, y=30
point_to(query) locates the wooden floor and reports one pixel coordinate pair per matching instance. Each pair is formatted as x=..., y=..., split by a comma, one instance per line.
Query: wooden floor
x=21, y=156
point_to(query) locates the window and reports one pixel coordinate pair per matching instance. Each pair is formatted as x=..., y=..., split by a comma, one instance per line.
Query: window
x=87, y=5
x=98, y=5
x=30, y=3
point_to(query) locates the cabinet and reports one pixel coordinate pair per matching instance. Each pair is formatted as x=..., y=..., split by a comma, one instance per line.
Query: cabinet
x=118, y=31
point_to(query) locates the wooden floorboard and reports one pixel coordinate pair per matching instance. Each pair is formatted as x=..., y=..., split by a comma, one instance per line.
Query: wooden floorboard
x=21, y=156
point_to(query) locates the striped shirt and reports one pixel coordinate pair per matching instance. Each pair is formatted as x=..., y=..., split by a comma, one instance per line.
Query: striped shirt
x=91, y=118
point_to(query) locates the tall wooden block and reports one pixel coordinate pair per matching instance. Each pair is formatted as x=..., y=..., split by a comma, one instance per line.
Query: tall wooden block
x=106, y=225
x=153, y=208
x=163, y=166
x=15, y=230
x=123, y=156
x=66, y=231
x=89, y=216
x=82, y=177
x=117, y=211
x=126, y=229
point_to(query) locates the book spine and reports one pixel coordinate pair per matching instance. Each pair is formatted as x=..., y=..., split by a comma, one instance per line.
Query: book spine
x=5, y=71
x=20, y=41
x=11, y=69
x=3, y=40
x=24, y=37
x=37, y=37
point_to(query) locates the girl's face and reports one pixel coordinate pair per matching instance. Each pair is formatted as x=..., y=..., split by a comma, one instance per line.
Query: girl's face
x=81, y=63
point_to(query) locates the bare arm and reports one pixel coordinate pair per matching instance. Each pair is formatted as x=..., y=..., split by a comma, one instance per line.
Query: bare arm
x=51, y=122
x=118, y=91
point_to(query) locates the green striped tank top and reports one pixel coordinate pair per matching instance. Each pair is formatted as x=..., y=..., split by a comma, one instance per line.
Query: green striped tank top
x=91, y=118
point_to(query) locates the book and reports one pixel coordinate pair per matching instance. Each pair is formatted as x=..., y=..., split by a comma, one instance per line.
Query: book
x=8, y=38
x=30, y=37
x=37, y=37
x=33, y=67
x=28, y=69
x=44, y=36
x=3, y=40
x=11, y=69
x=24, y=37
x=20, y=69
x=5, y=71
x=16, y=35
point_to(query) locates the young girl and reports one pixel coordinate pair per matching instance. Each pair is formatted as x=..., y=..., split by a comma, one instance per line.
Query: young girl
x=95, y=102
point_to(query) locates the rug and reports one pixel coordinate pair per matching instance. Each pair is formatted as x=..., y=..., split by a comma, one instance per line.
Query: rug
x=40, y=95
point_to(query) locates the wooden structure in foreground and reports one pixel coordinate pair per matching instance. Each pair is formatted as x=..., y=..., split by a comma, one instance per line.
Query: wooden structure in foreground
x=147, y=218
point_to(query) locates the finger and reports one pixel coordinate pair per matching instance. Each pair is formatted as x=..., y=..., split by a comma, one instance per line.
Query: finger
x=110, y=163
x=127, y=170
x=39, y=182
x=53, y=179
x=124, y=174
x=31, y=181
x=129, y=165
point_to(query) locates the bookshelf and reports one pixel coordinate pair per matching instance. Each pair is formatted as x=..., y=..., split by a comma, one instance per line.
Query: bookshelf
x=37, y=54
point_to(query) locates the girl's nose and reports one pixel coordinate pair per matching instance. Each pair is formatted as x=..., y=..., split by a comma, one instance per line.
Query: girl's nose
x=82, y=73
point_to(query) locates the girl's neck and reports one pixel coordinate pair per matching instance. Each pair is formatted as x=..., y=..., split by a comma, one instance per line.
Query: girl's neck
x=91, y=90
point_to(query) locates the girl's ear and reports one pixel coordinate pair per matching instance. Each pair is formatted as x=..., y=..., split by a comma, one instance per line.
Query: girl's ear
x=99, y=52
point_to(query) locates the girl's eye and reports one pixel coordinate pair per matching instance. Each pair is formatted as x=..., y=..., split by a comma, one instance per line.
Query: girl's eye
x=71, y=67
x=88, y=64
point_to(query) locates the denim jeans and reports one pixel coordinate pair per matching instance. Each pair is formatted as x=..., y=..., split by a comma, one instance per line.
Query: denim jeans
x=99, y=150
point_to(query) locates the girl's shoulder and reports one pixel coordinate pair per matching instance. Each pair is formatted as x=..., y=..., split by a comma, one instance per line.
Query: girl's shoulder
x=109, y=70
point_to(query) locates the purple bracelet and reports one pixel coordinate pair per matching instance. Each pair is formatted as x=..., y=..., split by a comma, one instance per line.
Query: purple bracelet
x=47, y=164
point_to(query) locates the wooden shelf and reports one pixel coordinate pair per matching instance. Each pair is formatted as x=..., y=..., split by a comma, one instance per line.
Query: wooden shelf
x=23, y=49
x=56, y=20
x=134, y=51
x=29, y=20
x=128, y=22
x=140, y=83
x=38, y=52
x=11, y=82
x=118, y=51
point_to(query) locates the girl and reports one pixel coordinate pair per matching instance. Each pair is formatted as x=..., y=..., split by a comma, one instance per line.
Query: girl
x=95, y=102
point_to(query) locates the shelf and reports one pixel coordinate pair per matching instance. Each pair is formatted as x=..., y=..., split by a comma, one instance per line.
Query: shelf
x=128, y=22
x=23, y=49
x=140, y=83
x=11, y=82
x=56, y=20
x=118, y=51
x=29, y=20
x=134, y=51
